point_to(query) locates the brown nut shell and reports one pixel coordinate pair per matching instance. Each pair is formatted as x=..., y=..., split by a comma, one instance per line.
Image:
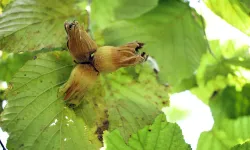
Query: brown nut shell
x=109, y=58
x=80, y=45
x=81, y=79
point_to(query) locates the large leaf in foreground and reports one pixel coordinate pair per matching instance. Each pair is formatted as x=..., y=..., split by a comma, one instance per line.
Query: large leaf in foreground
x=35, y=117
x=161, y=135
x=172, y=37
x=28, y=25
x=233, y=12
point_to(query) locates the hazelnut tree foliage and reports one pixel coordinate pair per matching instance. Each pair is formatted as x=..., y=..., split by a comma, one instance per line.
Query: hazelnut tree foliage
x=123, y=108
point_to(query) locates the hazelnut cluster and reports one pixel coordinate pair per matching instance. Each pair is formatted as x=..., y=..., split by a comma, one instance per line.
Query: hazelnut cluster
x=91, y=60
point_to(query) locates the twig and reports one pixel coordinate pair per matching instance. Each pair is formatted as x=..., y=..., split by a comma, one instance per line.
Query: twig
x=2, y=145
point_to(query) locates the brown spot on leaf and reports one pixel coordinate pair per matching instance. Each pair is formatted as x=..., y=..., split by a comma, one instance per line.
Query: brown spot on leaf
x=100, y=129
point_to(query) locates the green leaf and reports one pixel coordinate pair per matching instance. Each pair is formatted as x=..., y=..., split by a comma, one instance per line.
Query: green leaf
x=161, y=135
x=28, y=25
x=35, y=117
x=127, y=99
x=227, y=56
x=134, y=99
x=185, y=84
x=241, y=61
x=171, y=36
x=246, y=3
x=205, y=92
x=221, y=70
x=244, y=146
x=94, y=111
x=233, y=12
x=214, y=140
x=175, y=113
x=230, y=103
x=10, y=65
x=236, y=129
x=5, y=2
x=230, y=109
x=118, y=9
x=229, y=133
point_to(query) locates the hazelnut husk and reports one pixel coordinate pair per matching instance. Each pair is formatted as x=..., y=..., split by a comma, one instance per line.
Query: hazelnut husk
x=79, y=43
x=81, y=79
x=92, y=60
x=109, y=58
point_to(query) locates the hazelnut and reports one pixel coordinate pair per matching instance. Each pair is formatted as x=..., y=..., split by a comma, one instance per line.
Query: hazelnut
x=109, y=58
x=79, y=43
x=81, y=79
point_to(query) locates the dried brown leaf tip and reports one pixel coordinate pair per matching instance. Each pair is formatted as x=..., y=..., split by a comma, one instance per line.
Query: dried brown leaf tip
x=81, y=79
x=110, y=58
x=79, y=43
